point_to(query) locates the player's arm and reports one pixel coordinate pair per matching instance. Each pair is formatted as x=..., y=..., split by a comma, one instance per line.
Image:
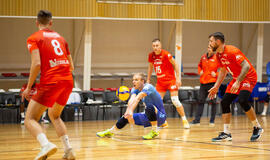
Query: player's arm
x=245, y=68
x=34, y=71
x=70, y=62
x=177, y=72
x=133, y=103
x=200, y=70
x=221, y=76
x=150, y=70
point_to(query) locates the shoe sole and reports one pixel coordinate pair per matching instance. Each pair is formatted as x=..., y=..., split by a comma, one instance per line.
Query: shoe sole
x=48, y=154
x=223, y=140
x=104, y=136
x=258, y=137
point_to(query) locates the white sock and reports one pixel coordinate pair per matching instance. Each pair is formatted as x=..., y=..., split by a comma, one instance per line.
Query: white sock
x=155, y=128
x=256, y=123
x=264, y=109
x=65, y=141
x=227, y=128
x=42, y=139
x=43, y=115
x=184, y=118
x=22, y=114
x=113, y=129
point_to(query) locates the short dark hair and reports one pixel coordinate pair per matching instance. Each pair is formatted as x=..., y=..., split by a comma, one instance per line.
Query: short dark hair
x=44, y=17
x=141, y=75
x=218, y=35
x=156, y=40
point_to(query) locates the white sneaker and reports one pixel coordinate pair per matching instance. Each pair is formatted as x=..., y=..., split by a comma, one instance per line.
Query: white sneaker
x=186, y=124
x=69, y=154
x=211, y=124
x=45, y=121
x=46, y=151
x=22, y=122
x=263, y=114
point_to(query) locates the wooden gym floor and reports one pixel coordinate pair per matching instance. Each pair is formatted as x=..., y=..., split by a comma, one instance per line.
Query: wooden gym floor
x=173, y=143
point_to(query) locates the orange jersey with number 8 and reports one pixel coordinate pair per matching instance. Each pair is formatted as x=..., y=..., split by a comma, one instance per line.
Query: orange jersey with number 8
x=53, y=50
x=162, y=65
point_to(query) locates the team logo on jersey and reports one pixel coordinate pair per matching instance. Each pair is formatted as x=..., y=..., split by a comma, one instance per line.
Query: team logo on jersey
x=238, y=57
x=157, y=61
x=246, y=84
x=55, y=62
x=173, y=87
x=224, y=61
x=51, y=34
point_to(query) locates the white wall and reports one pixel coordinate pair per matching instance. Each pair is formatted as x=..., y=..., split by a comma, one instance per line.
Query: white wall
x=123, y=46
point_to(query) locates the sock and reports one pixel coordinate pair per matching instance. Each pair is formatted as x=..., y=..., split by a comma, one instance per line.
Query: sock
x=184, y=118
x=227, y=128
x=43, y=115
x=155, y=128
x=256, y=123
x=42, y=139
x=264, y=109
x=65, y=141
x=113, y=129
x=22, y=115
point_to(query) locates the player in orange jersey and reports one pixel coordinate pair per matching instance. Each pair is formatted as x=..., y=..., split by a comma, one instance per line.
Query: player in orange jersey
x=233, y=61
x=207, y=69
x=51, y=57
x=166, y=68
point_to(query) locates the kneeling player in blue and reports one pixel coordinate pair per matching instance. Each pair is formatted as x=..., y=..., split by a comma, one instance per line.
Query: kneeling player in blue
x=154, y=114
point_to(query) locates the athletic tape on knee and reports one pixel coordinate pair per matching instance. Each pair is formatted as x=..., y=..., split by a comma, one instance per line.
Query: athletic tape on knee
x=176, y=101
x=150, y=113
x=122, y=122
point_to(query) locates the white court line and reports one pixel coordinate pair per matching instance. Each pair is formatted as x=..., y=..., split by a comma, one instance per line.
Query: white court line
x=191, y=148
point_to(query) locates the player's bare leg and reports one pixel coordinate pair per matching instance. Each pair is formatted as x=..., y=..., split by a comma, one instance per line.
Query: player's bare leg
x=61, y=130
x=179, y=107
x=33, y=114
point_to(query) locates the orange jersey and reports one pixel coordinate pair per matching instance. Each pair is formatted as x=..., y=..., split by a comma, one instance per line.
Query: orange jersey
x=231, y=59
x=53, y=50
x=33, y=89
x=208, y=65
x=162, y=65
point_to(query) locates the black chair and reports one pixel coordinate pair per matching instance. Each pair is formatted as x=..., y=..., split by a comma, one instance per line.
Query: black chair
x=88, y=102
x=188, y=96
x=110, y=99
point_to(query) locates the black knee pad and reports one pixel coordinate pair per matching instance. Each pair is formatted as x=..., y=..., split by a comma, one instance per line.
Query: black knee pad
x=227, y=101
x=243, y=100
x=150, y=113
x=122, y=122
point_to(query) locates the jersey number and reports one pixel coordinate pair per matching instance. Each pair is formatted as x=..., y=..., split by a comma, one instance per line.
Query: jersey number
x=56, y=45
x=158, y=69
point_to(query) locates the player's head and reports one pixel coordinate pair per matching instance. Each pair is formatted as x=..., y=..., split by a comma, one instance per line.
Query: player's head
x=138, y=80
x=216, y=40
x=44, y=18
x=210, y=49
x=156, y=45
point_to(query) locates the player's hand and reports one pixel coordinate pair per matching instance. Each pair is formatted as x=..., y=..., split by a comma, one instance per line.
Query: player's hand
x=213, y=74
x=26, y=94
x=178, y=83
x=235, y=87
x=212, y=92
x=201, y=73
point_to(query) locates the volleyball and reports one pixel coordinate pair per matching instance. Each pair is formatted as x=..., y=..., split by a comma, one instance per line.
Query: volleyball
x=123, y=93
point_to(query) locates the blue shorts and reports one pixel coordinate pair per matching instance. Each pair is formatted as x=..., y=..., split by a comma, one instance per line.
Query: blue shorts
x=141, y=119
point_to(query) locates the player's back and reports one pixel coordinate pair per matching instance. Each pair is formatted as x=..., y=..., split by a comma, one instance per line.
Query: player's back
x=53, y=51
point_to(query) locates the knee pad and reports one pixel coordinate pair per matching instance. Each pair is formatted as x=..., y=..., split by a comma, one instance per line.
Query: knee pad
x=225, y=106
x=121, y=123
x=176, y=101
x=151, y=113
x=243, y=100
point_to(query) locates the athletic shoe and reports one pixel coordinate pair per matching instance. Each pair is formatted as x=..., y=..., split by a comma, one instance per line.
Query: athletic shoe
x=164, y=125
x=195, y=123
x=45, y=121
x=106, y=133
x=150, y=135
x=46, y=151
x=211, y=124
x=69, y=154
x=263, y=114
x=22, y=121
x=257, y=132
x=222, y=137
x=186, y=124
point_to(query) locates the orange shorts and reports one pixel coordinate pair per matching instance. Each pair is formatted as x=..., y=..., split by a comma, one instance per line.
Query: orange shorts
x=48, y=94
x=163, y=86
x=244, y=85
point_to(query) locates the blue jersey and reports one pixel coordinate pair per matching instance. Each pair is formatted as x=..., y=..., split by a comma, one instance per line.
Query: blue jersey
x=152, y=98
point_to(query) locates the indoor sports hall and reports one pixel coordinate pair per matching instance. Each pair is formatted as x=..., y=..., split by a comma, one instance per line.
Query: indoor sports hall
x=109, y=42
